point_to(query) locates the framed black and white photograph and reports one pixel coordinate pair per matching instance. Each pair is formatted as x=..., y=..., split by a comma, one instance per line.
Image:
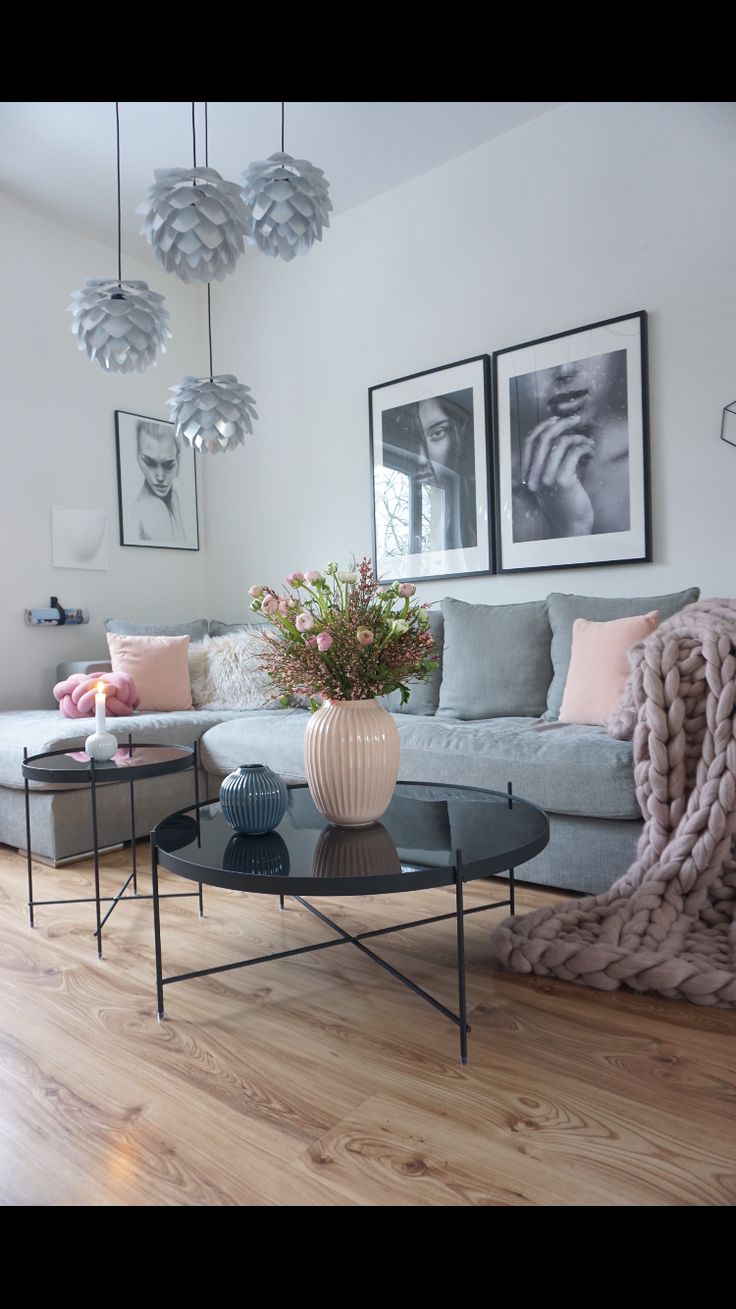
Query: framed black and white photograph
x=572, y=448
x=430, y=473
x=157, y=484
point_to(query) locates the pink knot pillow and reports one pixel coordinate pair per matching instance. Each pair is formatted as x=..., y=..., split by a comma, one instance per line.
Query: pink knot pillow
x=76, y=695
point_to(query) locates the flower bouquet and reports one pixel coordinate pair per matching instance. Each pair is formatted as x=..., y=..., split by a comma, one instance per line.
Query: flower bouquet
x=342, y=638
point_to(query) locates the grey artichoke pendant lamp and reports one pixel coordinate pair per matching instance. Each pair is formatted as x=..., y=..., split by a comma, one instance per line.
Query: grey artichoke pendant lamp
x=214, y=413
x=288, y=203
x=121, y=325
x=195, y=221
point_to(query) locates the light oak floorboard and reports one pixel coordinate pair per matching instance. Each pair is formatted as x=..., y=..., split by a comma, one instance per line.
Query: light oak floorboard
x=321, y=1080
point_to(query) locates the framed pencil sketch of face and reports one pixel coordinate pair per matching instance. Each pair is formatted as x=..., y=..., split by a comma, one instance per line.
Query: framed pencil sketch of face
x=430, y=476
x=572, y=448
x=157, y=484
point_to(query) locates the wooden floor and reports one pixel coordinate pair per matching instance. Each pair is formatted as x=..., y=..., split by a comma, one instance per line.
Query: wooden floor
x=320, y=1080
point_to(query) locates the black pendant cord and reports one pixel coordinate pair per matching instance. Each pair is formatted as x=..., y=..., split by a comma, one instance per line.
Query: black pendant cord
x=282, y=127
x=194, y=140
x=120, y=210
x=209, y=286
x=209, y=322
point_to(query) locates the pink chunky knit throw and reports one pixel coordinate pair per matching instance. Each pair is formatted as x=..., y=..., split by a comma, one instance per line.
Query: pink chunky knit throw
x=669, y=924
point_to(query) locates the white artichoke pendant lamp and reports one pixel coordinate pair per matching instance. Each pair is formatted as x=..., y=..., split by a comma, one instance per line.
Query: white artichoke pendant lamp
x=195, y=221
x=121, y=325
x=214, y=413
x=288, y=203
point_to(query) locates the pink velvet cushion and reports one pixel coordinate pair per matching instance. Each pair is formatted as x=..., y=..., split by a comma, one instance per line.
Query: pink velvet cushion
x=159, y=666
x=76, y=695
x=599, y=666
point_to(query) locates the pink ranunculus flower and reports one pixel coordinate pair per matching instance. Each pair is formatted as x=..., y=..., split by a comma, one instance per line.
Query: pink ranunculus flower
x=364, y=636
x=283, y=606
x=269, y=605
x=324, y=641
x=304, y=622
x=313, y=575
x=255, y=591
x=295, y=578
x=407, y=589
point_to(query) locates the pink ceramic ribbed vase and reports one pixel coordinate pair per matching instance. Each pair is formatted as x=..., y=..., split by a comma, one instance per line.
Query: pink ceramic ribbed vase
x=351, y=755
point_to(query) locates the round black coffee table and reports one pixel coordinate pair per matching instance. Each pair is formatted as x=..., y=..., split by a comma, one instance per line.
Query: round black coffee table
x=133, y=761
x=430, y=836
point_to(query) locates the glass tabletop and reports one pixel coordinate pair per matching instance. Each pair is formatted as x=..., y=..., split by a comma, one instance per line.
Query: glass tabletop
x=146, y=760
x=427, y=833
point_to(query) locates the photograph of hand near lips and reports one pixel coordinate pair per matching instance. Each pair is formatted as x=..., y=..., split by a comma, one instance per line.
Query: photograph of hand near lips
x=571, y=449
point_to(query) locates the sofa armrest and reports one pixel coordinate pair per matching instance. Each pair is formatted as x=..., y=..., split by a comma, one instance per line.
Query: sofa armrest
x=82, y=666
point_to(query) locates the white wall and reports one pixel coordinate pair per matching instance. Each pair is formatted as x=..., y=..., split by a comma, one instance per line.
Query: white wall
x=58, y=447
x=586, y=213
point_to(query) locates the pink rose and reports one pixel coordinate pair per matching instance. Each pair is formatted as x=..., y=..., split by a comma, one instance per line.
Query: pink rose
x=364, y=636
x=406, y=589
x=324, y=641
x=313, y=575
x=304, y=622
x=295, y=578
x=270, y=605
x=283, y=606
x=255, y=591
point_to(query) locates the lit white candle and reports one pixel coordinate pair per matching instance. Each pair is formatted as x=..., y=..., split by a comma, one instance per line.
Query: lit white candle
x=100, y=709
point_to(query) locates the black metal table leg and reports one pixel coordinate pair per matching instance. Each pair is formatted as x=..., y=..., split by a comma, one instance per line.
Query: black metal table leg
x=96, y=855
x=157, y=932
x=134, y=852
x=281, y=902
x=195, y=746
x=512, y=896
x=28, y=847
x=461, y=966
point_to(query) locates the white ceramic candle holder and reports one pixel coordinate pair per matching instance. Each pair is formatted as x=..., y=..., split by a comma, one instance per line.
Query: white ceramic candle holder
x=101, y=745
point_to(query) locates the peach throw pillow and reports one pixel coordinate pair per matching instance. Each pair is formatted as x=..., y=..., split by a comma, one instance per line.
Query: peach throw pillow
x=159, y=667
x=599, y=666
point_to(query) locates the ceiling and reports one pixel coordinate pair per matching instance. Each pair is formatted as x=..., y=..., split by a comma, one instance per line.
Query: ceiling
x=60, y=156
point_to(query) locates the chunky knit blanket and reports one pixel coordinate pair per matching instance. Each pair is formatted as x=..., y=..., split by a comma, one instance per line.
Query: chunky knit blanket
x=669, y=924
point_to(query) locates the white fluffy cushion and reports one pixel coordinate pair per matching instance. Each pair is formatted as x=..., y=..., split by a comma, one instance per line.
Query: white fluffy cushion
x=225, y=673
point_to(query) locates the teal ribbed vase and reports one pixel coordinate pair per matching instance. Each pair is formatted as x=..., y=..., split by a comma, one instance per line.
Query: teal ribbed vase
x=253, y=799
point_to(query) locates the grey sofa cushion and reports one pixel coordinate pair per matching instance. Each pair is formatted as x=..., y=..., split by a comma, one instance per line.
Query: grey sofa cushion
x=564, y=609
x=259, y=736
x=83, y=666
x=424, y=697
x=564, y=768
x=196, y=630
x=225, y=629
x=496, y=660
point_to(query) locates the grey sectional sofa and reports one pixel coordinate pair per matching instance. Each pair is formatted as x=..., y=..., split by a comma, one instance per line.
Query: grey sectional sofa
x=488, y=717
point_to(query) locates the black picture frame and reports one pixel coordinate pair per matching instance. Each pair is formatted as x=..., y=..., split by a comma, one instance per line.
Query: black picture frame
x=151, y=516
x=430, y=470
x=592, y=383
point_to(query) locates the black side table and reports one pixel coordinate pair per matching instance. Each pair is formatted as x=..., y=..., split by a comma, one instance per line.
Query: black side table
x=130, y=763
